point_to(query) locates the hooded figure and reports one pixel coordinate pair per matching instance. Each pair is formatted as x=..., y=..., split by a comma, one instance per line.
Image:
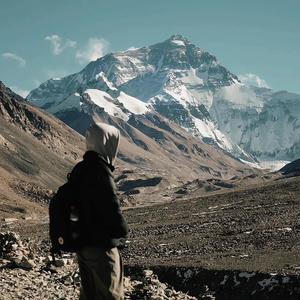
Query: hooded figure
x=104, y=140
x=103, y=228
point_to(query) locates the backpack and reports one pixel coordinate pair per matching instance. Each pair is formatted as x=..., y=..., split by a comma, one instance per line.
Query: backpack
x=64, y=220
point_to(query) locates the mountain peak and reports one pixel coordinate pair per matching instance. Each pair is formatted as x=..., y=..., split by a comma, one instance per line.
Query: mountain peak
x=178, y=36
x=178, y=39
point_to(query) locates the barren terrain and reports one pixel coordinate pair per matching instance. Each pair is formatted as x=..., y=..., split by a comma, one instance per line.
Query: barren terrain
x=255, y=228
x=235, y=232
x=251, y=229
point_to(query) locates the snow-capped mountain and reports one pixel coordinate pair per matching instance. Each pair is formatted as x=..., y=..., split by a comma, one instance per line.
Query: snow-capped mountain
x=154, y=154
x=187, y=85
x=262, y=122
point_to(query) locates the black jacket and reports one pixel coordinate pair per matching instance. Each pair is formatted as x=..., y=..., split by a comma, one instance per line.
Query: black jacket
x=102, y=222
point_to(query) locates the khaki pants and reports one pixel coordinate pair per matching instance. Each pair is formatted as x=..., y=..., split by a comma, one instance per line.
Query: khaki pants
x=101, y=273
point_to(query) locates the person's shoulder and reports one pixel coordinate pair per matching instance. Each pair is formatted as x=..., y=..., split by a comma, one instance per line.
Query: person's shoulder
x=92, y=170
x=78, y=166
x=77, y=171
x=103, y=167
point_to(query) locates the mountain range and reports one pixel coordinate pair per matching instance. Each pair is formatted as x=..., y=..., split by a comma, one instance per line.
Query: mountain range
x=37, y=151
x=181, y=114
x=187, y=85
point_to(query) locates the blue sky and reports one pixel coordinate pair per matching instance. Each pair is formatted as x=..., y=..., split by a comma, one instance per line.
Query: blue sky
x=40, y=39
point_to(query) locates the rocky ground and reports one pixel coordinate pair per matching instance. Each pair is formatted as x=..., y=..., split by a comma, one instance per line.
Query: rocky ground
x=26, y=274
x=252, y=229
x=247, y=230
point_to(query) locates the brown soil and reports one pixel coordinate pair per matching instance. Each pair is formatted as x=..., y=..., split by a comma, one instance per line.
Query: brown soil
x=252, y=229
x=256, y=228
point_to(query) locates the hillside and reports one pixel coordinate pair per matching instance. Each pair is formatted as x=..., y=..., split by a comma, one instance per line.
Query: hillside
x=36, y=153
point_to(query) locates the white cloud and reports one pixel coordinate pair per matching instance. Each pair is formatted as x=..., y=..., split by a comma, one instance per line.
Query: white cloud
x=132, y=48
x=253, y=79
x=59, y=44
x=20, y=92
x=20, y=60
x=94, y=49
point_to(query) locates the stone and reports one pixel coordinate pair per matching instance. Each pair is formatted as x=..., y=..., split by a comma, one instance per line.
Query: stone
x=27, y=264
x=60, y=263
x=147, y=273
x=10, y=220
x=17, y=259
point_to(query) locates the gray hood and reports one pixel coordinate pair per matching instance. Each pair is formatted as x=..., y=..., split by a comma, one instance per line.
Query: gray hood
x=103, y=139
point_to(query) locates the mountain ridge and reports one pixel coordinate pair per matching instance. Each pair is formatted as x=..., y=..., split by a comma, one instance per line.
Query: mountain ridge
x=36, y=153
x=154, y=155
x=183, y=83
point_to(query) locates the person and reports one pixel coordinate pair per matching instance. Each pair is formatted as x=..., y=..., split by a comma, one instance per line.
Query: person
x=104, y=229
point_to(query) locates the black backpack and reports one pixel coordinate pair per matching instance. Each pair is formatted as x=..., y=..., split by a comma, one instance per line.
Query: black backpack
x=65, y=227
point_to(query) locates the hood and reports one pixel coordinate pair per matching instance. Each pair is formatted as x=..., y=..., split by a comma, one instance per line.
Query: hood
x=103, y=139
